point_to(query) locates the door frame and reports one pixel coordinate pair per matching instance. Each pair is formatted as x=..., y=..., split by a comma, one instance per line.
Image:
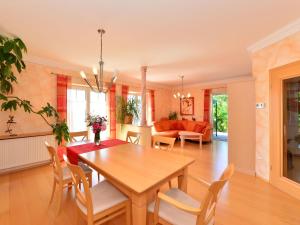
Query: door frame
x=277, y=75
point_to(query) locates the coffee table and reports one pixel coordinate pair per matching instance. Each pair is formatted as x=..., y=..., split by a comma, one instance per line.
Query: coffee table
x=190, y=136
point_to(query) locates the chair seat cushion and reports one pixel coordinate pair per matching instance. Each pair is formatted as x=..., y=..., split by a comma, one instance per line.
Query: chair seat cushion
x=174, y=215
x=104, y=196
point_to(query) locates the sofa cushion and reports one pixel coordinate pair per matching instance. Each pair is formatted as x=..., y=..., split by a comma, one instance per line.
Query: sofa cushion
x=158, y=127
x=165, y=125
x=199, y=128
x=180, y=126
x=189, y=126
x=174, y=125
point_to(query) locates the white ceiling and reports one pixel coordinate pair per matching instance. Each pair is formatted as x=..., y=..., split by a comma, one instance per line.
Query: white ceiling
x=204, y=40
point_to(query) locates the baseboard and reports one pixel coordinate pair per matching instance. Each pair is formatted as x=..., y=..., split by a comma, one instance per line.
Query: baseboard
x=23, y=167
x=248, y=172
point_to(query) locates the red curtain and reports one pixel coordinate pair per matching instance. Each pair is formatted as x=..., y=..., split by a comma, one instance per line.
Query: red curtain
x=62, y=83
x=152, y=105
x=125, y=92
x=112, y=111
x=62, y=87
x=207, y=100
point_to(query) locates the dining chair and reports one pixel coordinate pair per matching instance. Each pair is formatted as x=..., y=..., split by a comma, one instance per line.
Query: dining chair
x=100, y=203
x=133, y=137
x=62, y=175
x=83, y=134
x=178, y=208
x=168, y=143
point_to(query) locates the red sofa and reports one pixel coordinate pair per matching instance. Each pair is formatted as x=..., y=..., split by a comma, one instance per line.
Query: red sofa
x=171, y=128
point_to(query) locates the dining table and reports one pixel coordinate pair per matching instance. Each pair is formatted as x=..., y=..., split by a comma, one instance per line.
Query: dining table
x=138, y=171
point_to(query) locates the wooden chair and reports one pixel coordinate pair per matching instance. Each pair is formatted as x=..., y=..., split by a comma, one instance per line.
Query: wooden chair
x=62, y=175
x=83, y=134
x=133, y=137
x=177, y=207
x=100, y=203
x=168, y=143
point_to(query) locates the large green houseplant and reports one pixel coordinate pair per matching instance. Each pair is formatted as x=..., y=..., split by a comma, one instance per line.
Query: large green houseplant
x=11, y=60
x=127, y=110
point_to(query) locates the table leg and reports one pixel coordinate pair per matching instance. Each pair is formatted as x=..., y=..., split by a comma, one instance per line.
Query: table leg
x=200, y=142
x=139, y=210
x=182, y=141
x=182, y=180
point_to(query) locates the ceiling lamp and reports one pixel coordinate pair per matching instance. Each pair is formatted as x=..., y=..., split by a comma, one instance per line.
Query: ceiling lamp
x=181, y=95
x=99, y=74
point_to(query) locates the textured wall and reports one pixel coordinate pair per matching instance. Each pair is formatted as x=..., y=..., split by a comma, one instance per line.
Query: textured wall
x=278, y=54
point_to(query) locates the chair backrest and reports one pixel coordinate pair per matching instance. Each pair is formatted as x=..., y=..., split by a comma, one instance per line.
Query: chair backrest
x=208, y=206
x=83, y=197
x=83, y=134
x=57, y=168
x=158, y=140
x=133, y=137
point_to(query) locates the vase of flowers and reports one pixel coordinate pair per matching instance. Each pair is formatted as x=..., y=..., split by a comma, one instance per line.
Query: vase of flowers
x=98, y=124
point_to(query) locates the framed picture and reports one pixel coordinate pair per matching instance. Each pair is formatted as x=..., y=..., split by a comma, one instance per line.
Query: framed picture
x=187, y=106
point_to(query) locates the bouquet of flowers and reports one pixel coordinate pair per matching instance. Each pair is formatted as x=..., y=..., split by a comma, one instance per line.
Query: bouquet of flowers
x=98, y=123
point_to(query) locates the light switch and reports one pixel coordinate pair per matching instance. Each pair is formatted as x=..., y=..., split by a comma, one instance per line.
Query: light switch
x=260, y=105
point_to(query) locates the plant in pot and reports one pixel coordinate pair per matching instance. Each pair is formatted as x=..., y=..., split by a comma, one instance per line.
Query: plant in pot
x=132, y=110
x=173, y=115
x=11, y=61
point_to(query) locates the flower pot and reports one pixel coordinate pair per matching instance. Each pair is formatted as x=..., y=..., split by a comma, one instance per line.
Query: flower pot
x=128, y=119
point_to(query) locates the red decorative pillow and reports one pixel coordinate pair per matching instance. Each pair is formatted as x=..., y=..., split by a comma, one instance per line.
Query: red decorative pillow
x=158, y=127
x=199, y=128
x=174, y=126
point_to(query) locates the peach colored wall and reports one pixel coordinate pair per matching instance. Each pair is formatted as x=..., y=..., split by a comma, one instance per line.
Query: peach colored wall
x=241, y=126
x=280, y=53
x=38, y=85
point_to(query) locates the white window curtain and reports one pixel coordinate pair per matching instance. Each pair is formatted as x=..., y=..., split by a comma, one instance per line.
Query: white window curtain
x=76, y=111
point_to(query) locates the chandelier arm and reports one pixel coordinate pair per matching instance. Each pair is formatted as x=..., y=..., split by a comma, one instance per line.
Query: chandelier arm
x=86, y=80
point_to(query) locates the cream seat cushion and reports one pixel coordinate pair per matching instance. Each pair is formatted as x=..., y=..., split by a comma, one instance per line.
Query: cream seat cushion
x=174, y=215
x=104, y=196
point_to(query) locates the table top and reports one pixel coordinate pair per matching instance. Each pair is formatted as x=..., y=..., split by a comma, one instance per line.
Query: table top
x=135, y=166
x=189, y=133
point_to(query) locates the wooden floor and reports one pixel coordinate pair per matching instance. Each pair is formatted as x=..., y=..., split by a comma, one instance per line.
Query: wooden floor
x=247, y=200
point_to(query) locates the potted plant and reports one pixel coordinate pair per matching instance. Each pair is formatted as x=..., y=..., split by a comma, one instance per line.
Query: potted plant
x=173, y=115
x=131, y=110
x=11, y=60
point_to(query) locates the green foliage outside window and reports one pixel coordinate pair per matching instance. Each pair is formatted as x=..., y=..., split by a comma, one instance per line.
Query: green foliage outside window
x=220, y=112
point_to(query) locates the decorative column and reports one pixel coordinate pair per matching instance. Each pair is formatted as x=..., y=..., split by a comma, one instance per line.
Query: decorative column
x=144, y=91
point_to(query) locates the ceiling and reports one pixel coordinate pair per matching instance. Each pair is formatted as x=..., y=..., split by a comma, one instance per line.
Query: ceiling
x=204, y=40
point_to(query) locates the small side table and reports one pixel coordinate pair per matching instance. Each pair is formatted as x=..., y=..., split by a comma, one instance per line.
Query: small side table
x=190, y=136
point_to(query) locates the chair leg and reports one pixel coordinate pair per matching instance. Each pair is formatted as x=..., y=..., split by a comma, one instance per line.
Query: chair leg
x=61, y=191
x=98, y=177
x=90, y=179
x=170, y=184
x=53, y=191
x=128, y=213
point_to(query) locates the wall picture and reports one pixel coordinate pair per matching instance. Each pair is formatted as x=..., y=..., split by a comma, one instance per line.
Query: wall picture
x=187, y=106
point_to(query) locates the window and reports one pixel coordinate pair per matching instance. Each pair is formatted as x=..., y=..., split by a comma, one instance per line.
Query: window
x=81, y=102
x=137, y=96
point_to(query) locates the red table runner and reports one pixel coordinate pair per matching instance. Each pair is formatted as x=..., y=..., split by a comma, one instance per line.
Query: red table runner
x=74, y=151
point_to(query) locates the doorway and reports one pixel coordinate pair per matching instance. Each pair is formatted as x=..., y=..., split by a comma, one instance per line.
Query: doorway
x=285, y=128
x=220, y=116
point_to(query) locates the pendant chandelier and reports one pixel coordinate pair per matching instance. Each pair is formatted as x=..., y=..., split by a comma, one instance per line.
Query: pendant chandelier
x=98, y=74
x=180, y=95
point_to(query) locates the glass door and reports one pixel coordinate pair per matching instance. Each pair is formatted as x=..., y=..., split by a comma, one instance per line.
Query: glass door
x=291, y=129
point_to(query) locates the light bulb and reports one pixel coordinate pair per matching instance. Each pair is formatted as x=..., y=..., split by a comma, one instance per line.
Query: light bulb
x=95, y=71
x=175, y=96
x=178, y=94
x=82, y=74
x=188, y=95
x=182, y=96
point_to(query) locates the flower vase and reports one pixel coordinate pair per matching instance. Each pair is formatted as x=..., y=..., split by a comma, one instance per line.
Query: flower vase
x=97, y=138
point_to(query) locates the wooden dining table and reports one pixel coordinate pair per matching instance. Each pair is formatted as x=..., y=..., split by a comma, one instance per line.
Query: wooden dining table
x=139, y=172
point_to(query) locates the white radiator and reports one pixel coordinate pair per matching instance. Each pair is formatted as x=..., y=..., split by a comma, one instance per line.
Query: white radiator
x=24, y=152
